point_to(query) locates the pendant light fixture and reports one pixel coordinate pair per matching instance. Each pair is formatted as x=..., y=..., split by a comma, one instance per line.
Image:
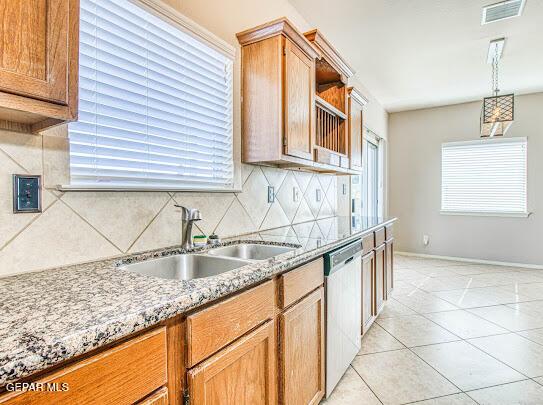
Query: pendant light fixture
x=498, y=111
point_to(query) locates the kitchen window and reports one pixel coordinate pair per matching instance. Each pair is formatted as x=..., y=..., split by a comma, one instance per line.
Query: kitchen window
x=485, y=177
x=155, y=107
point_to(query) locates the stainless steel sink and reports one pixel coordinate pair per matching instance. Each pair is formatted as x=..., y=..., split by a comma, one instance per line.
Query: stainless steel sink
x=185, y=267
x=250, y=251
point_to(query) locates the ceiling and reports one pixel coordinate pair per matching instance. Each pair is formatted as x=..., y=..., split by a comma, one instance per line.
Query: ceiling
x=421, y=53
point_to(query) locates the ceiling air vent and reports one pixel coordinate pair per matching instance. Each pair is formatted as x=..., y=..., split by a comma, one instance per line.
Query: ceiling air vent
x=502, y=10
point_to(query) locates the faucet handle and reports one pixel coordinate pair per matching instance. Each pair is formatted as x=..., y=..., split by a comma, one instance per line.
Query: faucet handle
x=189, y=214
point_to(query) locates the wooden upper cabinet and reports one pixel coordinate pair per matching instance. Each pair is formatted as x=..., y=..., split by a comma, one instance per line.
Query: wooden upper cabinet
x=38, y=63
x=243, y=373
x=299, y=102
x=356, y=103
x=331, y=77
x=278, y=66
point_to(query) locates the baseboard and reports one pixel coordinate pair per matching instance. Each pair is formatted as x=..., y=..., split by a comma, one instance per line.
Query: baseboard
x=467, y=260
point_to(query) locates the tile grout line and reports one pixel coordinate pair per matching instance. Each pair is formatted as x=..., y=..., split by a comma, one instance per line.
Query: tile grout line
x=226, y=211
x=89, y=224
x=367, y=385
x=465, y=340
x=17, y=163
x=170, y=198
x=24, y=228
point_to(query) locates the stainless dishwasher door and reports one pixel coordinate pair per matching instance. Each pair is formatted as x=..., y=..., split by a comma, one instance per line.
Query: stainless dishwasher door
x=343, y=319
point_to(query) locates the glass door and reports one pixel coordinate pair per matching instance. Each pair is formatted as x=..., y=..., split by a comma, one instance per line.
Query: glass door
x=370, y=179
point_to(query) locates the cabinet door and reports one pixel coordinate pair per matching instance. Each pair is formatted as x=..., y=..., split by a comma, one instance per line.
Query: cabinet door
x=34, y=58
x=299, y=102
x=368, y=296
x=159, y=397
x=380, y=276
x=302, y=351
x=389, y=266
x=242, y=373
x=355, y=131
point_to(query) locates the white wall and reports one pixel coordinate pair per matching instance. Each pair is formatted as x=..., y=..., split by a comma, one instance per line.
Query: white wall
x=415, y=139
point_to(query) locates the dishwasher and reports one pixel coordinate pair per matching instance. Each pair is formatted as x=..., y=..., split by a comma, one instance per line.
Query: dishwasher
x=343, y=289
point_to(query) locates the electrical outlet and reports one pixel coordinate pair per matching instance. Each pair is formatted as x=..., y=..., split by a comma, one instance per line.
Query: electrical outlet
x=318, y=194
x=295, y=194
x=26, y=193
x=425, y=240
x=271, y=194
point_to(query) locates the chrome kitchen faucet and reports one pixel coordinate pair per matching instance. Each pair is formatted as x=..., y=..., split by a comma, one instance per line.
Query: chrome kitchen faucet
x=188, y=216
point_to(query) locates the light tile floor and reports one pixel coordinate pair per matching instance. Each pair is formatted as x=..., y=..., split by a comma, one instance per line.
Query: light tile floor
x=454, y=333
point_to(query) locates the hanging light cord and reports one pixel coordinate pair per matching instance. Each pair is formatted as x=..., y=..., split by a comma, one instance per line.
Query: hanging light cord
x=495, y=60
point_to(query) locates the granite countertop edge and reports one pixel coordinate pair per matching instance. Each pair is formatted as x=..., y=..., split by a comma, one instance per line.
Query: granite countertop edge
x=40, y=352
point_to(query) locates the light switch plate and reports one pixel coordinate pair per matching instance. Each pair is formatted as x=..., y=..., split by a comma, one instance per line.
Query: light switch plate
x=26, y=193
x=318, y=194
x=271, y=194
x=295, y=194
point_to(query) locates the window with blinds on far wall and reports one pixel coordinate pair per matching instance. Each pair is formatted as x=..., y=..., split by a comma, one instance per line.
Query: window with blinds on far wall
x=155, y=108
x=485, y=177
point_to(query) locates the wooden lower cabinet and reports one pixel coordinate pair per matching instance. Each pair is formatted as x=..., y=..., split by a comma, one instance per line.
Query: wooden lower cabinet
x=120, y=375
x=380, y=277
x=160, y=397
x=301, y=347
x=389, y=267
x=368, y=288
x=243, y=373
x=262, y=346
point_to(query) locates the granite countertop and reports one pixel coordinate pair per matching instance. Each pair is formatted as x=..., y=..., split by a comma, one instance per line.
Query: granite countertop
x=49, y=316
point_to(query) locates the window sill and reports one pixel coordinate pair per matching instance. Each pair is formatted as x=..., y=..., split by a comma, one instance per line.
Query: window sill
x=488, y=214
x=70, y=187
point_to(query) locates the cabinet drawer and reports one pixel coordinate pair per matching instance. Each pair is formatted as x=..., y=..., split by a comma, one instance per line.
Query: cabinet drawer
x=368, y=243
x=121, y=375
x=379, y=237
x=389, y=231
x=217, y=326
x=299, y=282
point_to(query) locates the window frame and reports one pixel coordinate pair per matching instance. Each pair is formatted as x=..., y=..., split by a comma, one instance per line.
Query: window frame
x=186, y=25
x=474, y=213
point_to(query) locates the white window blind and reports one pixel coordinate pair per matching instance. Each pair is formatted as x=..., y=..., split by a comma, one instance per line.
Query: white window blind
x=484, y=177
x=155, y=107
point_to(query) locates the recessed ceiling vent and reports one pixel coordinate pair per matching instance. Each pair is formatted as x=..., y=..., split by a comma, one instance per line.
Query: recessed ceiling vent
x=502, y=11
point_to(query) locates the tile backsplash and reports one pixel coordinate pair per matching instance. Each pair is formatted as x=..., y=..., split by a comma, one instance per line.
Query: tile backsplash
x=83, y=226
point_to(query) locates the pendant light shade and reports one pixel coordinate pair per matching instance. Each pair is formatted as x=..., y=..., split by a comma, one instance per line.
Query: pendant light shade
x=497, y=115
x=498, y=110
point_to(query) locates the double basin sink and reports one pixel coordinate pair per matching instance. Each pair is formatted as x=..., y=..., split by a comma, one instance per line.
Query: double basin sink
x=213, y=262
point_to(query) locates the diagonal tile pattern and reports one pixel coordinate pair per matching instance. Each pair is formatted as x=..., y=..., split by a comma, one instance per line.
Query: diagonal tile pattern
x=491, y=354
x=104, y=224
